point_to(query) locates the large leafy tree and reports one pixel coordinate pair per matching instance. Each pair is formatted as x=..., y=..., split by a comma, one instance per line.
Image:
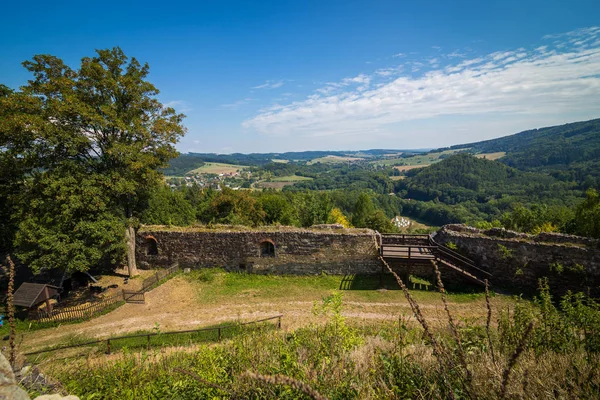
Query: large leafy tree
x=587, y=215
x=101, y=124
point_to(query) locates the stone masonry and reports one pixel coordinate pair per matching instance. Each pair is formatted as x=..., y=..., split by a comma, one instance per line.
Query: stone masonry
x=519, y=260
x=295, y=251
x=515, y=260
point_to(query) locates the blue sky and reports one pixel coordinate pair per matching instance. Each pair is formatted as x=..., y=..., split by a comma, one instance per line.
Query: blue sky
x=262, y=76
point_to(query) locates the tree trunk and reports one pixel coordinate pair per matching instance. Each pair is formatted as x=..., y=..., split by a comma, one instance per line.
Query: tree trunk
x=131, y=265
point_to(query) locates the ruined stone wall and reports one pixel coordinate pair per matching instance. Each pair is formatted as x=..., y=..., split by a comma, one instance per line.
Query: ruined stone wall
x=518, y=260
x=297, y=251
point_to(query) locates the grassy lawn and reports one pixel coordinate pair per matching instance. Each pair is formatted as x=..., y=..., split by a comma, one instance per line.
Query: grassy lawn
x=334, y=160
x=218, y=287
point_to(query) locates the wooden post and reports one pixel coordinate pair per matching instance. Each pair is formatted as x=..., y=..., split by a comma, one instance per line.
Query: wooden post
x=219, y=330
x=107, y=346
x=279, y=322
x=148, y=342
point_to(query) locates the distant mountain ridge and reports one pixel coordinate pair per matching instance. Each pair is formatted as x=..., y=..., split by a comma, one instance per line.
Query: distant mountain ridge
x=554, y=147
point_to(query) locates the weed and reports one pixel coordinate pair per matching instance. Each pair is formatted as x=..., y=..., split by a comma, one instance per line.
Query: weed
x=505, y=252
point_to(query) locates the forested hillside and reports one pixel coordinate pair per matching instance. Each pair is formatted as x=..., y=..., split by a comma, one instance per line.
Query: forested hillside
x=474, y=189
x=568, y=152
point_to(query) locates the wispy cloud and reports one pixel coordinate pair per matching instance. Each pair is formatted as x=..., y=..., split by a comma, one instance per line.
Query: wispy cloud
x=269, y=85
x=361, y=82
x=237, y=104
x=181, y=106
x=559, y=78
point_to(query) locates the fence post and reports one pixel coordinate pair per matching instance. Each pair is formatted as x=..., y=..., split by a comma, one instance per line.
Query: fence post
x=219, y=330
x=148, y=342
x=107, y=346
x=279, y=322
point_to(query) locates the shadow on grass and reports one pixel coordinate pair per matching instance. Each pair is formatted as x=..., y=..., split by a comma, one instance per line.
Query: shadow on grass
x=388, y=282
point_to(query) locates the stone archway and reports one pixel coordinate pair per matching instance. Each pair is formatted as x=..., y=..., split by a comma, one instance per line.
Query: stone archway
x=151, y=246
x=267, y=248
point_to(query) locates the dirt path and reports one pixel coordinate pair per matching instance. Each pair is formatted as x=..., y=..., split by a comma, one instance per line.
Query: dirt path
x=175, y=306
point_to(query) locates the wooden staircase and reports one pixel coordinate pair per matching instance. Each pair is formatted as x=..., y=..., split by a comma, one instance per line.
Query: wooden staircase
x=424, y=249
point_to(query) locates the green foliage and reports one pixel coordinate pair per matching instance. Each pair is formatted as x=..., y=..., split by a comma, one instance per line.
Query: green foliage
x=557, y=268
x=505, y=252
x=167, y=207
x=587, y=215
x=83, y=144
x=574, y=326
x=362, y=210
x=69, y=223
x=229, y=207
x=278, y=208
x=344, y=337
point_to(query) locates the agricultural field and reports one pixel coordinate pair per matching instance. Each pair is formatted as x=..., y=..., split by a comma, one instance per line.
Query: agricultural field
x=280, y=182
x=334, y=160
x=420, y=160
x=216, y=168
x=403, y=168
x=291, y=178
x=491, y=156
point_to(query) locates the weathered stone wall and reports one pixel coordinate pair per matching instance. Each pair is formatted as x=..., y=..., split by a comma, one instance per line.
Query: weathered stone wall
x=519, y=260
x=297, y=251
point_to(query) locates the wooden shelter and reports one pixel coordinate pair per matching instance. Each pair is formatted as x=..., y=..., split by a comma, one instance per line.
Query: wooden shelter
x=32, y=294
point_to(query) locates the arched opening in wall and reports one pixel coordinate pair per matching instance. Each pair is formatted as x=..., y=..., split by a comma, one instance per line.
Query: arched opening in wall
x=151, y=246
x=267, y=248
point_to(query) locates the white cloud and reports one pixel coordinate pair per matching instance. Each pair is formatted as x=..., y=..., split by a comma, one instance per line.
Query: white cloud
x=399, y=55
x=548, y=80
x=269, y=85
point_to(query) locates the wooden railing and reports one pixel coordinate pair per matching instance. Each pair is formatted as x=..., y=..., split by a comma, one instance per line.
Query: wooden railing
x=458, y=259
x=424, y=247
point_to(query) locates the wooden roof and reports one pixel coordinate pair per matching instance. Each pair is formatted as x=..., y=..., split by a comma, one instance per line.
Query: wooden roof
x=30, y=294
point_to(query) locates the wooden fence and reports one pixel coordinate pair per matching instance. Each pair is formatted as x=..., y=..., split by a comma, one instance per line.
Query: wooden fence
x=153, y=279
x=87, y=311
x=218, y=330
x=84, y=311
